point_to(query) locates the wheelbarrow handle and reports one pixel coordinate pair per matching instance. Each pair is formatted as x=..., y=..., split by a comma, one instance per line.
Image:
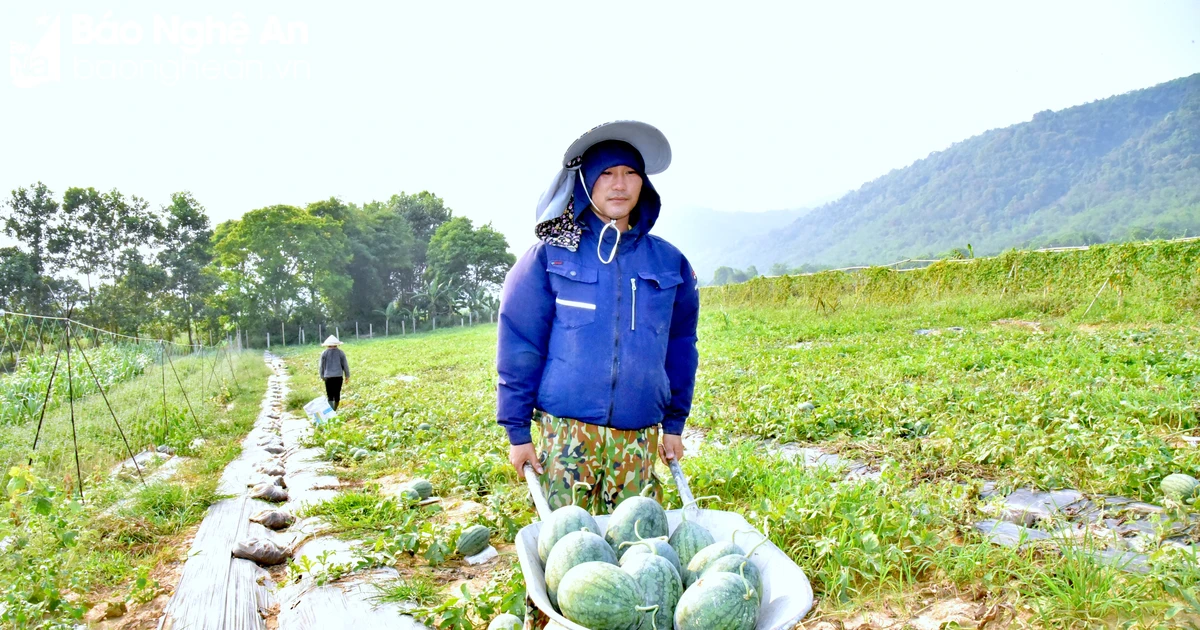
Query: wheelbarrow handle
x=535, y=491
x=681, y=484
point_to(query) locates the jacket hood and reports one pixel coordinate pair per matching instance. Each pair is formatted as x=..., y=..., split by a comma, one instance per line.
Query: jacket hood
x=605, y=155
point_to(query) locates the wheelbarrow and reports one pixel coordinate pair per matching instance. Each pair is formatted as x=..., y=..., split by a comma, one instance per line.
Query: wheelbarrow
x=786, y=598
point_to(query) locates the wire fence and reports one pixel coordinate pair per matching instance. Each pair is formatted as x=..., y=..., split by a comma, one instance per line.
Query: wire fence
x=54, y=368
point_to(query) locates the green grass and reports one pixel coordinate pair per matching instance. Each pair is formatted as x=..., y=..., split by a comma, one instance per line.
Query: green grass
x=419, y=590
x=64, y=546
x=1096, y=403
x=355, y=513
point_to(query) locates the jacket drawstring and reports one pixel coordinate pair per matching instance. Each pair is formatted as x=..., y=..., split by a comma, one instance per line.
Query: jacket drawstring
x=611, y=224
x=612, y=254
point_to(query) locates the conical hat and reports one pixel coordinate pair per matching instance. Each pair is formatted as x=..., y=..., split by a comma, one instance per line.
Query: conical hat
x=331, y=341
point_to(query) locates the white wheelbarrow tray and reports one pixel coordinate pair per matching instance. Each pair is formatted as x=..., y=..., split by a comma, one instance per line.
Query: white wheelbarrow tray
x=786, y=598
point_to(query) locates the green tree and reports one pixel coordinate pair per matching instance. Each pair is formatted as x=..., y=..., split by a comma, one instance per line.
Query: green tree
x=97, y=229
x=30, y=217
x=18, y=273
x=186, y=250
x=381, y=245
x=281, y=262
x=477, y=258
x=135, y=303
x=424, y=212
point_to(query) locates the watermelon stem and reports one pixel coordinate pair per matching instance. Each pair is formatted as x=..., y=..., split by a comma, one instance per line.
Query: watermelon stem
x=653, y=610
x=742, y=572
x=644, y=490
x=574, y=487
x=733, y=539
x=697, y=500
x=756, y=546
x=630, y=543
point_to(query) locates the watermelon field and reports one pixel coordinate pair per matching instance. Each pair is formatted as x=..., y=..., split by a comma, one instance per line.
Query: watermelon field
x=879, y=425
x=954, y=386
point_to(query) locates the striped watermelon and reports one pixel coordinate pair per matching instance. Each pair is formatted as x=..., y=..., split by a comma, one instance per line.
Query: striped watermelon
x=600, y=596
x=737, y=565
x=660, y=586
x=655, y=546
x=564, y=520
x=707, y=556
x=687, y=539
x=634, y=518
x=718, y=601
x=574, y=549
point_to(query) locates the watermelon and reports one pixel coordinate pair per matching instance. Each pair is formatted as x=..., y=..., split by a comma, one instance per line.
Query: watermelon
x=506, y=622
x=653, y=546
x=707, y=556
x=1180, y=488
x=564, y=520
x=408, y=494
x=422, y=486
x=600, y=596
x=718, y=601
x=635, y=517
x=473, y=540
x=737, y=565
x=687, y=539
x=574, y=549
x=660, y=586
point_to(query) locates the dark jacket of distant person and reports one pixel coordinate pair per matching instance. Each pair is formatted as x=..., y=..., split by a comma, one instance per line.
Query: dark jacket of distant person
x=333, y=363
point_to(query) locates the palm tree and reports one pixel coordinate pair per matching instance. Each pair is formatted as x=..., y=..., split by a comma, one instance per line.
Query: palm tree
x=393, y=309
x=491, y=304
x=435, y=294
x=475, y=300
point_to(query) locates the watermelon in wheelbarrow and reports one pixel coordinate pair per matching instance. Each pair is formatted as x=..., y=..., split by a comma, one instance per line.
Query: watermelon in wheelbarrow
x=786, y=594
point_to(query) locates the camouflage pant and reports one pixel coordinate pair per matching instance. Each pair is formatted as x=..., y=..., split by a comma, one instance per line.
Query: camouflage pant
x=615, y=464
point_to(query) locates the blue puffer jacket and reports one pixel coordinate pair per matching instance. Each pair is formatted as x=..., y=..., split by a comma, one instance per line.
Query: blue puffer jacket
x=612, y=345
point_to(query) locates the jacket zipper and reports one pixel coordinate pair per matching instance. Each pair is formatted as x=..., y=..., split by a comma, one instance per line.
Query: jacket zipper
x=612, y=400
x=633, y=309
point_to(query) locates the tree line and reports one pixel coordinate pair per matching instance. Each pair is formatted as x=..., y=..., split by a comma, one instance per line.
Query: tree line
x=125, y=266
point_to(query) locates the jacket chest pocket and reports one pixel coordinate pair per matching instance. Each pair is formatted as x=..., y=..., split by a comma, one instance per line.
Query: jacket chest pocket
x=574, y=293
x=656, y=302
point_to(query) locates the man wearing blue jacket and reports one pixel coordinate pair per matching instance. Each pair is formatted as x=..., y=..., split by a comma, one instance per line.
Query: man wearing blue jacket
x=597, y=329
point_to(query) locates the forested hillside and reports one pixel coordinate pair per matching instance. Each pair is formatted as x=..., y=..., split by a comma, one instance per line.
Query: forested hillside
x=704, y=235
x=1126, y=167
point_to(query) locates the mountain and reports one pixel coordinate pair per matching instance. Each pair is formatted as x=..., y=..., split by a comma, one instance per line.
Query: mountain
x=1125, y=167
x=705, y=235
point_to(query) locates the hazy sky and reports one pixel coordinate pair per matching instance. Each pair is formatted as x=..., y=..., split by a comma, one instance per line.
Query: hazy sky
x=766, y=105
